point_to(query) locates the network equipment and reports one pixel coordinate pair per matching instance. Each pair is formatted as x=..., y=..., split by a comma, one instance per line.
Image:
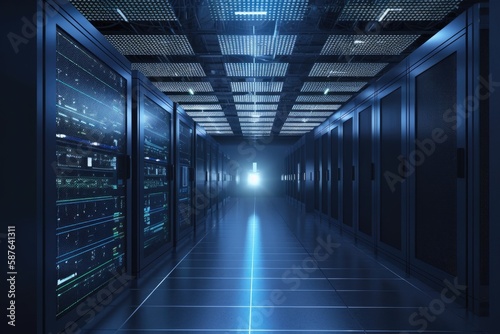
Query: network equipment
x=90, y=200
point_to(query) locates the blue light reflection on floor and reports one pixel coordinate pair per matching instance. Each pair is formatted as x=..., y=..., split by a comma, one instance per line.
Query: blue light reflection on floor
x=252, y=225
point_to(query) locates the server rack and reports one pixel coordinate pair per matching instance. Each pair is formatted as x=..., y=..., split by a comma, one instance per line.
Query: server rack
x=214, y=178
x=427, y=155
x=202, y=199
x=87, y=147
x=184, y=180
x=153, y=172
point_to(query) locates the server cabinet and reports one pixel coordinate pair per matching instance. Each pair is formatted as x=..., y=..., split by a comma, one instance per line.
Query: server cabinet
x=317, y=174
x=87, y=146
x=220, y=184
x=325, y=174
x=153, y=172
x=366, y=172
x=348, y=174
x=392, y=220
x=184, y=182
x=214, y=189
x=302, y=174
x=202, y=201
x=436, y=162
x=335, y=174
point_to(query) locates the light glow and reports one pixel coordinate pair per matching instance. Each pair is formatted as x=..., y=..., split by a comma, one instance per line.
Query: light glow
x=387, y=11
x=250, y=13
x=253, y=179
x=118, y=10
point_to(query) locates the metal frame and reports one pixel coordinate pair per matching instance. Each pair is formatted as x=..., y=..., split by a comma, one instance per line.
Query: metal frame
x=65, y=17
x=142, y=88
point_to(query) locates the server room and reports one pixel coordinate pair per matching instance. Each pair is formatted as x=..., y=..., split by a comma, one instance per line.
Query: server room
x=250, y=166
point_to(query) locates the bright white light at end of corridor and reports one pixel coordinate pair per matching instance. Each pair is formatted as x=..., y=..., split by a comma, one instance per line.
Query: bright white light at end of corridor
x=253, y=179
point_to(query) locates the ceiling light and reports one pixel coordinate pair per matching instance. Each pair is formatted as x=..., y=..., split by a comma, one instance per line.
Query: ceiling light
x=326, y=91
x=359, y=42
x=250, y=13
x=387, y=11
x=191, y=91
x=122, y=15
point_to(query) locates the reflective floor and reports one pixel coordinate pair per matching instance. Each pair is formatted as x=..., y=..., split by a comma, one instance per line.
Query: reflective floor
x=267, y=267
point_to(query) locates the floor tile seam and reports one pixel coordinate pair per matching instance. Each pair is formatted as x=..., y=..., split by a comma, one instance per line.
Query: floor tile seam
x=355, y=319
x=161, y=282
x=399, y=277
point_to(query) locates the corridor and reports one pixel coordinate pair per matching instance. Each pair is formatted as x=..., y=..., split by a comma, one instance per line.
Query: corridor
x=265, y=266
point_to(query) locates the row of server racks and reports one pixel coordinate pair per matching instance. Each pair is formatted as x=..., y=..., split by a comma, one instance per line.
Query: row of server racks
x=128, y=175
x=403, y=168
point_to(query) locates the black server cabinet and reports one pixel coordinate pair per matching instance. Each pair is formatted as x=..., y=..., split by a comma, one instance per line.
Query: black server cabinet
x=366, y=171
x=317, y=174
x=214, y=191
x=87, y=168
x=335, y=174
x=214, y=179
x=301, y=173
x=220, y=168
x=325, y=174
x=437, y=163
x=392, y=108
x=153, y=171
x=184, y=181
x=348, y=173
x=202, y=201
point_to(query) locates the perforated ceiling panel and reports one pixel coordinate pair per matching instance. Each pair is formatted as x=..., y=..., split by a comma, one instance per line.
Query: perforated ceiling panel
x=169, y=69
x=397, y=10
x=323, y=98
x=193, y=98
x=205, y=113
x=256, y=133
x=202, y=107
x=256, y=98
x=256, y=125
x=256, y=69
x=310, y=114
x=367, y=44
x=256, y=119
x=332, y=87
x=258, y=10
x=151, y=44
x=307, y=119
x=256, y=114
x=346, y=69
x=133, y=10
x=316, y=107
x=220, y=132
x=257, y=45
x=184, y=87
x=239, y=59
x=256, y=87
x=210, y=119
x=256, y=107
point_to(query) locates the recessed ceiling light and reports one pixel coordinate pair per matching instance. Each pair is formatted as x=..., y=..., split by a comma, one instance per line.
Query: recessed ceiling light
x=121, y=14
x=387, y=11
x=250, y=13
x=191, y=91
